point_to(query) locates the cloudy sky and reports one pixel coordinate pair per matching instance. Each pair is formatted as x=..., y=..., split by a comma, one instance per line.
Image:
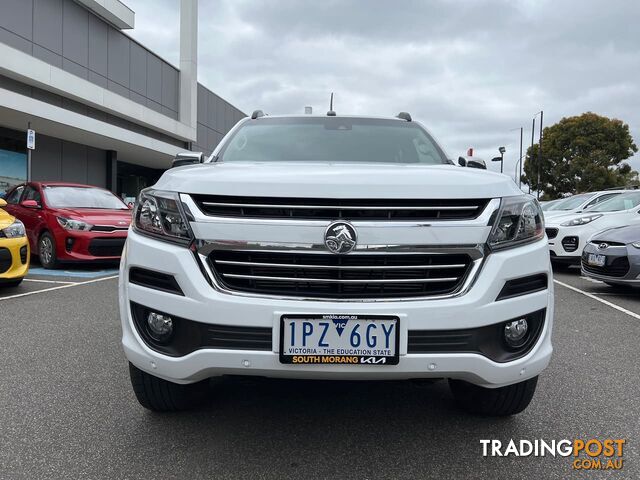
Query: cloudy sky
x=472, y=71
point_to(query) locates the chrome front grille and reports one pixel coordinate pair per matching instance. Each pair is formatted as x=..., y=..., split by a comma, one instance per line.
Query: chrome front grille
x=326, y=275
x=338, y=209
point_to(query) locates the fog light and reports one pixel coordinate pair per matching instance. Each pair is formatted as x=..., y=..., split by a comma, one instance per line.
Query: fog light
x=515, y=333
x=160, y=326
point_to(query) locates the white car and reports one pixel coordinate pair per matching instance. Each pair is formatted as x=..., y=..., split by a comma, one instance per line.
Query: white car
x=580, y=202
x=568, y=234
x=336, y=248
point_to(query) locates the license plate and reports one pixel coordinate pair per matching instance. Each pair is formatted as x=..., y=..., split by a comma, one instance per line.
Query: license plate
x=339, y=339
x=596, y=260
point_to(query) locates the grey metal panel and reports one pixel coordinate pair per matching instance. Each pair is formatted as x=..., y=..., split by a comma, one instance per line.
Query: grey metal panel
x=201, y=135
x=169, y=113
x=118, y=58
x=142, y=100
x=15, y=41
x=96, y=167
x=212, y=110
x=119, y=89
x=47, y=56
x=48, y=97
x=98, y=79
x=17, y=17
x=76, y=33
x=47, y=159
x=47, y=24
x=74, y=162
x=74, y=68
x=169, y=87
x=138, y=70
x=154, y=78
x=98, y=45
x=154, y=106
x=219, y=122
x=202, y=104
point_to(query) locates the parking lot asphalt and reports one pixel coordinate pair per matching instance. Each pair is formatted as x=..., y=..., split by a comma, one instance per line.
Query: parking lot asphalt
x=67, y=409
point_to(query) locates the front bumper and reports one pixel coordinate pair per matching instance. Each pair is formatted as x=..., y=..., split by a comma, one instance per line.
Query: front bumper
x=202, y=303
x=78, y=246
x=622, y=264
x=14, y=258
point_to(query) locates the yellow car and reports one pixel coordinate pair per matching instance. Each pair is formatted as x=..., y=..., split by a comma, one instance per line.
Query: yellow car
x=14, y=249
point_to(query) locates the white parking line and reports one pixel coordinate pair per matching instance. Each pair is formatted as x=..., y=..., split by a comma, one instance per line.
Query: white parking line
x=601, y=300
x=48, y=281
x=59, y=287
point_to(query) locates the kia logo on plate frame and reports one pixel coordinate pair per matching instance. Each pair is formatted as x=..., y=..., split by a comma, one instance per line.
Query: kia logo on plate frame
x=340, y=237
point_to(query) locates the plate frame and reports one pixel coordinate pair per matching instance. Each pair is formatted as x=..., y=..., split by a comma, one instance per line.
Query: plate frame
x=287, y=360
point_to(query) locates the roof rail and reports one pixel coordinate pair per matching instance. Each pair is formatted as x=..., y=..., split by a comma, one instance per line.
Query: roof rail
x=257, y=114
x=404, y=116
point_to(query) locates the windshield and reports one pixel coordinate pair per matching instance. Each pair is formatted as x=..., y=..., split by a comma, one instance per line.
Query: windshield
x=619, y=202
x=572, y=202
x=332, y=139
x=82, y=197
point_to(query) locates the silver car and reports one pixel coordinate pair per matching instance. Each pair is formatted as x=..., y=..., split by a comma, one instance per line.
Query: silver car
x=613, y=256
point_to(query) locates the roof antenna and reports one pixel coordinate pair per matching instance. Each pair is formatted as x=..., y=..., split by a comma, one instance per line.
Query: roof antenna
x=331, y=113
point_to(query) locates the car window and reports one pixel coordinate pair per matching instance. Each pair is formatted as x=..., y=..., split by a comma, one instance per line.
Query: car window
x=572, y=202
x=14, y=197
x=619, y=202
x=32, y=193
x=332, y=139
x=600, y=199
x=82, y=197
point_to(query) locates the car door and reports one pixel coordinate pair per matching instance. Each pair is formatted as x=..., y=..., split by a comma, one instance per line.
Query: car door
x=33, y=218
x=13, y=200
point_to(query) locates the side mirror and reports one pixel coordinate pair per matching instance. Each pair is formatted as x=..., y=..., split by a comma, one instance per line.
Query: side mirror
x=30, y=204
x=462, y=161
x=187, y=158
x=477, y=164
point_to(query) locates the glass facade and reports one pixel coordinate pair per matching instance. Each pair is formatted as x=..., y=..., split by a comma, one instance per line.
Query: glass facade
x=13, y=159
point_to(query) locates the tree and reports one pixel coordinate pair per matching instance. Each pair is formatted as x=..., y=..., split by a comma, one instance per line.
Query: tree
x=581, y=154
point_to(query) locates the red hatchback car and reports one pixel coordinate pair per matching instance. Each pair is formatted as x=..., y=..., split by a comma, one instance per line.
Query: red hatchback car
x=68, y=222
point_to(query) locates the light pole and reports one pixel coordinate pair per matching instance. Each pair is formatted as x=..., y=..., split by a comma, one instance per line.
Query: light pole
x=519, y=162
x=500, y=158
x=540, y=152
x=533, y=129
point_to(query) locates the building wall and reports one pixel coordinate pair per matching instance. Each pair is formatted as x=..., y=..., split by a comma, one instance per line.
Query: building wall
x=64, y=34
x=59, y=160
x=215, y=118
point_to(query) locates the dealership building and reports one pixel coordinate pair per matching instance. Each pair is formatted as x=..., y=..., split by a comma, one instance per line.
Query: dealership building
x=106, y=110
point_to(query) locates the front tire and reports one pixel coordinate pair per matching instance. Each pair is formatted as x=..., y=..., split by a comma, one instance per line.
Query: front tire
x=495, y=402
x=47, y=251
x=160, y=395
x=11, y=283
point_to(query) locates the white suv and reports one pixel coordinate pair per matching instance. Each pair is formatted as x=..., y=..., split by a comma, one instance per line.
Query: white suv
x=336, y=248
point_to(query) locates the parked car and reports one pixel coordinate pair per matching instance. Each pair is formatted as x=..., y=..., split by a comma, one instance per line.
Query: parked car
x=336, y=248
x=546, y=205
x=69, y=222
x=613, y=256
x=568, y=234
x=14, y=249
x=580, y=202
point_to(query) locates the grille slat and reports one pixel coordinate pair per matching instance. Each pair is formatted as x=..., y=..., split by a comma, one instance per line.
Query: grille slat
x=340, y=276
x=336, y=209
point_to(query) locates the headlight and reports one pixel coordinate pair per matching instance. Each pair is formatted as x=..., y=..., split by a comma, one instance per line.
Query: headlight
x=160, y=214
x=70, y=224
x=581, y=221
x=519, y=221
x=636, y=244
x=15, y=230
